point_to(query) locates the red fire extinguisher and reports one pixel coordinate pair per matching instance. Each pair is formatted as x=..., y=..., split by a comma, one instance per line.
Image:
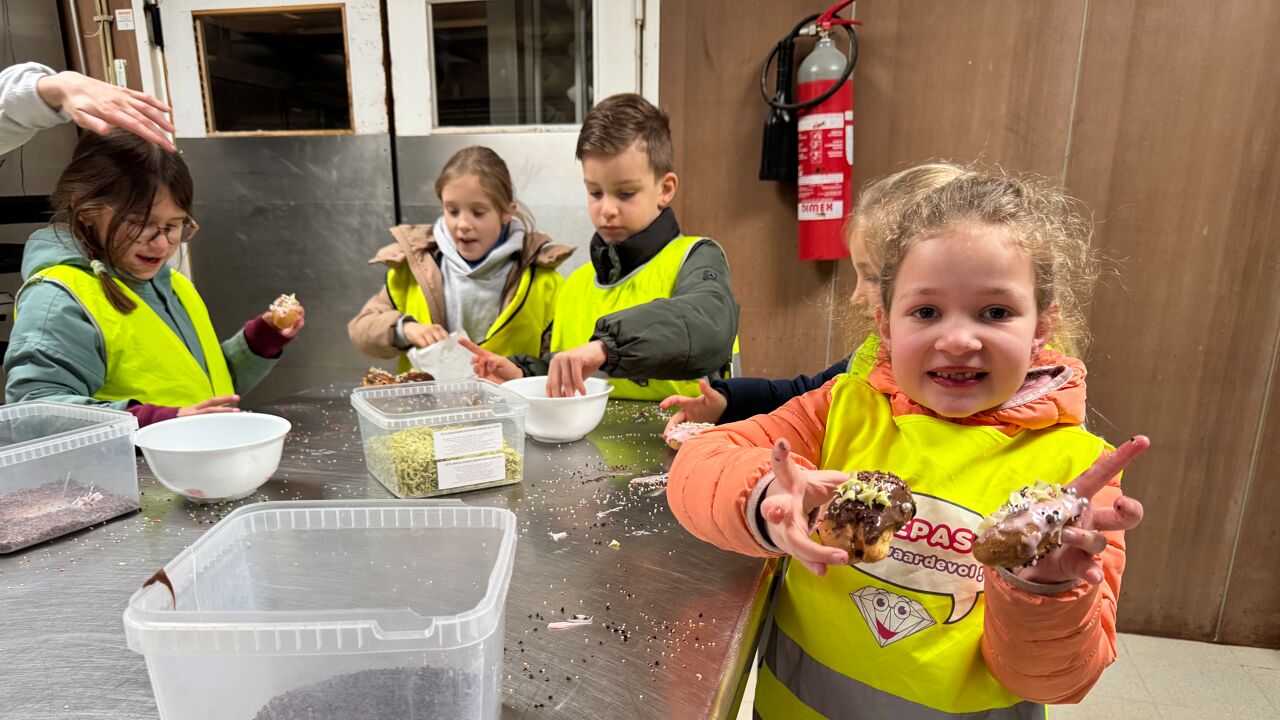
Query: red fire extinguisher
x=823, y=135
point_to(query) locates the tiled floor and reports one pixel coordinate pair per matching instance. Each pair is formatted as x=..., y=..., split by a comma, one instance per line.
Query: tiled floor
x=1161, y=679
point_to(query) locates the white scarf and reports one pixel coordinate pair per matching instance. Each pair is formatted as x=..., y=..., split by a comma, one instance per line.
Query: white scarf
x=473, y=296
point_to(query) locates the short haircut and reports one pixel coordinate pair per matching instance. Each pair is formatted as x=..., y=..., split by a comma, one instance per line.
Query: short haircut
x=618, y=121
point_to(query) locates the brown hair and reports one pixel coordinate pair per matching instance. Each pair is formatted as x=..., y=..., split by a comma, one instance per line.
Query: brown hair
x=122, y=173
x=880, y=203
x=489, y=168
x=1043, y=222
x=619, y=121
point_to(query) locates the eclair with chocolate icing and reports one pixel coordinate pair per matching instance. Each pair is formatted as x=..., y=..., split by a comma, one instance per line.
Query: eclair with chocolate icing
x=864, y=513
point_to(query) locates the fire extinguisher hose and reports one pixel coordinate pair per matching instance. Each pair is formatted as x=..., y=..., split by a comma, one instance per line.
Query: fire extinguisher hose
x=778, y=101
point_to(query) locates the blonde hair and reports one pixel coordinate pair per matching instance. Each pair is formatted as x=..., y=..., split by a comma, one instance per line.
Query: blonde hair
x=1043, y=222
x=880, y=203
x=490, y=169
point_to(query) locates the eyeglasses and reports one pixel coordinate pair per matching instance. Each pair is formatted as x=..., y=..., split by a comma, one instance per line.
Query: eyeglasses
x=180, y=233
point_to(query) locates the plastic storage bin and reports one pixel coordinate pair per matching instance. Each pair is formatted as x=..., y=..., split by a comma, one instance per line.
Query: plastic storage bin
x=380, y=610
x=62, y=468
x=432, y=438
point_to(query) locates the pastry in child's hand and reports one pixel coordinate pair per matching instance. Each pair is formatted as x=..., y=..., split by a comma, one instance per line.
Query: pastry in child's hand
x=681, y=433
x=865, y=512
x=285, y=311
x=1029, y=525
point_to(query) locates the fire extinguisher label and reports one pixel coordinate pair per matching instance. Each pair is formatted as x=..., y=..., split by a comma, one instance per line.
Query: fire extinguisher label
x=820, y=208
x=821, y=121
x=824, y=187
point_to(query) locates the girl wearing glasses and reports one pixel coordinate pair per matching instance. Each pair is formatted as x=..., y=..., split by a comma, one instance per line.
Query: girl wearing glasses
x=102, y=320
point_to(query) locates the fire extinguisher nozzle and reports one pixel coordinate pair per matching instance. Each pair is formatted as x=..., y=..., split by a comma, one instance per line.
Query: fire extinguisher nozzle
x=778, y=151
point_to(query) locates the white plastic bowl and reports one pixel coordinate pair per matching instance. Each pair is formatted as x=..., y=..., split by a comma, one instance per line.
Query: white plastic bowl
x=561, y=420
x=220, y=456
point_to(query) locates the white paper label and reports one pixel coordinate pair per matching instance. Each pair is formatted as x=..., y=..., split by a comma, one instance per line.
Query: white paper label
x=467, y=441
x=471, y=471
x=124, y=19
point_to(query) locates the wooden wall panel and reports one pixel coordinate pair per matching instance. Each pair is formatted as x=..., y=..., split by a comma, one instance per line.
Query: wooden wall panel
x=978, y=80
x=1251, y=611
x=1174, y=148
x=981, y=80
x=985, y=80
x=709, y=84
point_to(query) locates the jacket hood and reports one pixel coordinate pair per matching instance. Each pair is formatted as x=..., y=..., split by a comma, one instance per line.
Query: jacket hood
x=50, y=246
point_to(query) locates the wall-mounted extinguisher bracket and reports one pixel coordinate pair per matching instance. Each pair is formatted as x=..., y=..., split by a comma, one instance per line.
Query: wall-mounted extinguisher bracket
x=808, y=135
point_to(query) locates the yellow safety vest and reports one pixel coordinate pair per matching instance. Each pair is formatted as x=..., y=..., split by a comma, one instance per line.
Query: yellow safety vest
x=146, y=360
x=582, y=301
x=900, y=638
x=864, y=358
x=518, y=328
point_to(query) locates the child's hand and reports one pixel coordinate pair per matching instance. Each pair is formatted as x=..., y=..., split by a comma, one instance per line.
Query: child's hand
x=423, y=335
x=570, y=368
x=293, y=329
x=788, y=504
x=1075, y=558
x=220, y=404
x=490, y=366
x=706, y=408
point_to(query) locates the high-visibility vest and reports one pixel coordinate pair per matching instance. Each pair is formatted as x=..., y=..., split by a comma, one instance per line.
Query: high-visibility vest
x=583, y=301
x=146, y=360
x=901, y=638
x=517, y=330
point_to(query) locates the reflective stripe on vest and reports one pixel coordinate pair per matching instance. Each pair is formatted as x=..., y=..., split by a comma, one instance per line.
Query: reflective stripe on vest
x=828, y=694
x=909, y=627
x=146, y=360
x=583, y=301
x=517, y=330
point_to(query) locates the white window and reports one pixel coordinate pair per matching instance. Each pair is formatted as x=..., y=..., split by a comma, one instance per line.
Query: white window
x=276, y=67
x=476, y=66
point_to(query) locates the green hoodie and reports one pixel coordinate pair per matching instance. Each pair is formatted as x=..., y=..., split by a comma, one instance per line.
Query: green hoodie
x=57, y=353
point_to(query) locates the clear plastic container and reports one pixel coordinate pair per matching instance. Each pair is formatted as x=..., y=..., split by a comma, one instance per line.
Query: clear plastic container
x=62, y=468
x=382, y=610
x=433, y=438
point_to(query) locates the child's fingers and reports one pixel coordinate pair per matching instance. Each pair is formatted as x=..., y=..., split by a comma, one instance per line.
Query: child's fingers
x=815, y=556
x=218, y=400
x=784, y=471
x=554, y=381
x=1125, y=515
x=705, y=386
x=820, y=485
x=1077, y=563
x=1089, y=482
x=474, y=348
x=680, y=400
x=1090, y=541
x=672, y=422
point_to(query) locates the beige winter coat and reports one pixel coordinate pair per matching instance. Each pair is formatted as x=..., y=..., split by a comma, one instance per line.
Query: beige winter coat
x=373, y=329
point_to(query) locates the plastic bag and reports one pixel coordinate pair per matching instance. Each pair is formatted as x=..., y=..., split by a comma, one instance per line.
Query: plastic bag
x=445, y=360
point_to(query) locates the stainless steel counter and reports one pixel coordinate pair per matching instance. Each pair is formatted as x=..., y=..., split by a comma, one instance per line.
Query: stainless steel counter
x=675, y=620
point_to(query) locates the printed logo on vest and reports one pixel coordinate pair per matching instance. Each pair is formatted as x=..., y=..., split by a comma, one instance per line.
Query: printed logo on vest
x=890, y=617
x=934, y=554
